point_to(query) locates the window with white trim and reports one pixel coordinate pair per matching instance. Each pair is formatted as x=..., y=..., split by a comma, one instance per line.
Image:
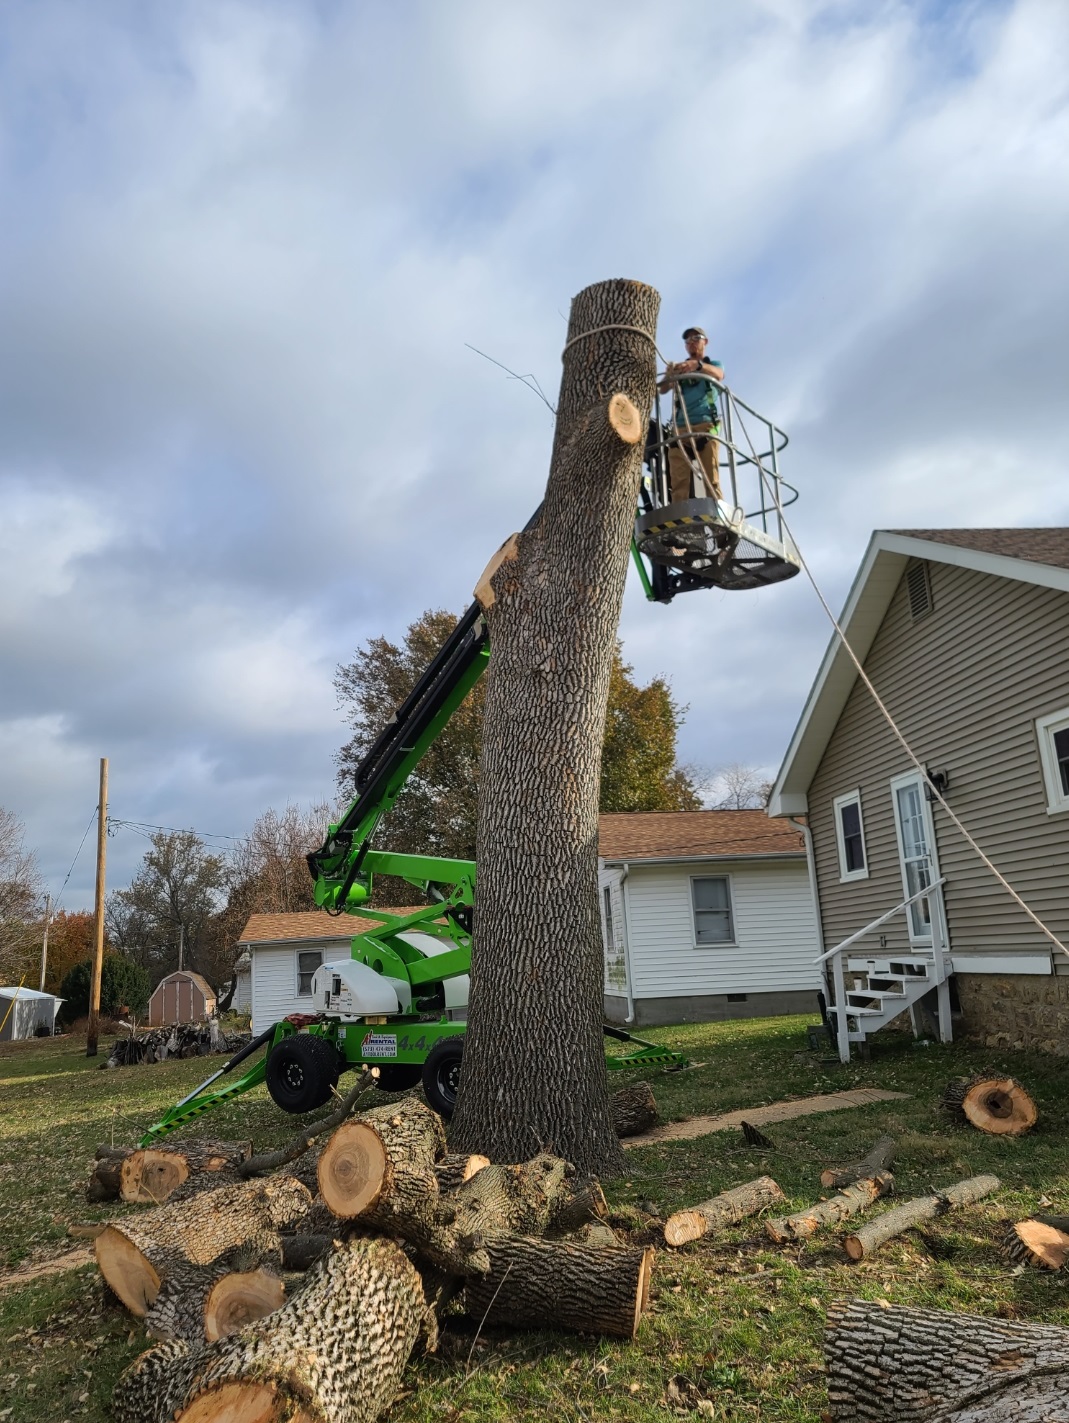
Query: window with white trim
x=850, y=837
x=1053, y=734
x=308, y=960
x=711, y=903
x=608, y=937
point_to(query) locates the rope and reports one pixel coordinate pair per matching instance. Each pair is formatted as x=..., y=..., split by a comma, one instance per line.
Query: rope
x=613, y=326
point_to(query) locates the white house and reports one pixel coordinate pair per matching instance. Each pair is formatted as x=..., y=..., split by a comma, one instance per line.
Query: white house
x=286, y=950
x=706, y=914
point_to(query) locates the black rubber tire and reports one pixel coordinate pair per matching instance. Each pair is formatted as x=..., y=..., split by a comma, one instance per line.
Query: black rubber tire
x=301, y=1072
x=441, y=1074
x=398, y=1076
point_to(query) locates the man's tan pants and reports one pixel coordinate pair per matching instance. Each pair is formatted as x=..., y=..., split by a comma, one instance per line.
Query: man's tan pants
x=680, y=470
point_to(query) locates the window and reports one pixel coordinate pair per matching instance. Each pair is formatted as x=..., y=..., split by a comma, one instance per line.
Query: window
x=1053, y=733
x=850, y=837
x=308, y=960
x=919, y=589
x=712, y=911
x=606, y=905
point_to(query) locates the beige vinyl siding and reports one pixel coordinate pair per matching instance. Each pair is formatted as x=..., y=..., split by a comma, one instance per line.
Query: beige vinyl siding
x=965, y=684
x=775, y=930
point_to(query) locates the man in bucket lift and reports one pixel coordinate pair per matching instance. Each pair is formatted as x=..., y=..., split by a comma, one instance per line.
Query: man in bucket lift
x=696, y=418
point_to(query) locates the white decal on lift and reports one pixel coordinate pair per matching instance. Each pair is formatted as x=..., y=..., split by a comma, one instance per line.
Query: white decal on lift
x=379, y=1045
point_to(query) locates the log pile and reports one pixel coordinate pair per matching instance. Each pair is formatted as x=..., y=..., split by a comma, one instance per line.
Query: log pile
x=177, y=1040
x=277, y=1298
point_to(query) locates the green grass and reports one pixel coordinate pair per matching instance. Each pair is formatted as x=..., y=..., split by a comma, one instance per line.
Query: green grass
x=736, y=1323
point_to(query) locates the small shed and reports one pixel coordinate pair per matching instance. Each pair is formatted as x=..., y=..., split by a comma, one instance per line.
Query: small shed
x=181, y=997
x=24, y=1012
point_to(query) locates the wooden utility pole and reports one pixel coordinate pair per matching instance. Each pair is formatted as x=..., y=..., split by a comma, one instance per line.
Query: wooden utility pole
x=44, y=941
x=98, y=944
x=534, y=1076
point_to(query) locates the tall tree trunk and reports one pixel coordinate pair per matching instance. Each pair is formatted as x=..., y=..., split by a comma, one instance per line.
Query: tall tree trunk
x=534, y=1076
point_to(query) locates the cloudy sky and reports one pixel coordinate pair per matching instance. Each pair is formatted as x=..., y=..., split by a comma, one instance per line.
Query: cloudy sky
x=246, y=242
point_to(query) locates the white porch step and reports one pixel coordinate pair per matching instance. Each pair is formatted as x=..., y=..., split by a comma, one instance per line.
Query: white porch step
x=906, y=966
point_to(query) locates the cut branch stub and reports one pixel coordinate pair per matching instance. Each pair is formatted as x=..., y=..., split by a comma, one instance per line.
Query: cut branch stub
x=725, y=1209
x=626, y=420
x=999, y=1106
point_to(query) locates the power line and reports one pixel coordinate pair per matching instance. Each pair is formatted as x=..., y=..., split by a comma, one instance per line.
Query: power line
x=89, y=827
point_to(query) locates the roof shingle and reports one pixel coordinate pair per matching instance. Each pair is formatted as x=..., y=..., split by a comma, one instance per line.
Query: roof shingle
x=1049, y=546
x=688, y=834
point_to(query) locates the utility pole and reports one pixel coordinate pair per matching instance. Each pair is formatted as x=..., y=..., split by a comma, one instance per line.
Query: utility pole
x=98, y=946
x=44, y=941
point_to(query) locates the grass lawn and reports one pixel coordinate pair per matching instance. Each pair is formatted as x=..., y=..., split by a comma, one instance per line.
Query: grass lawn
x=736, y=1325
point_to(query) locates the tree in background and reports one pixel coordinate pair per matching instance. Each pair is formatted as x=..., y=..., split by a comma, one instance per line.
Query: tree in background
x=70, y=942
x=435, y=814
x=20, y=907
x=738, y=787
x=123, y=985
x=176, y=891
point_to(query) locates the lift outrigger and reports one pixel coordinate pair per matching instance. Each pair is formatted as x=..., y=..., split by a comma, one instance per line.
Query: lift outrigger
x=400, y=1001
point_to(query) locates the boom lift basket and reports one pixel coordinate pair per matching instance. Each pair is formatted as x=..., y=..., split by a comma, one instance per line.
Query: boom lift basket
x=737, y=541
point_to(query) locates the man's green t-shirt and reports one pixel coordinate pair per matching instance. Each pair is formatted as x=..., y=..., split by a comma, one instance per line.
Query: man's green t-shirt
x=699, y=399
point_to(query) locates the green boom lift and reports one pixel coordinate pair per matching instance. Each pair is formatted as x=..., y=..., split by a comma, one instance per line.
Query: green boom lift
x=400, y=1001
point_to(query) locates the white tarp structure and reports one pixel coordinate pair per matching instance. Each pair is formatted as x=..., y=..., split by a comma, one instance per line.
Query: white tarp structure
x=29, y=1010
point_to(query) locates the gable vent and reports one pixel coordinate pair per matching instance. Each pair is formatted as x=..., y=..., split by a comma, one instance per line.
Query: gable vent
x=920, y=591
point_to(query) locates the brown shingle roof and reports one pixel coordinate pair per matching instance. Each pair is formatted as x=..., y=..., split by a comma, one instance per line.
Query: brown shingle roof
x=198, y=978
x=686, y=834
x=312, y=924
x=1049, y=546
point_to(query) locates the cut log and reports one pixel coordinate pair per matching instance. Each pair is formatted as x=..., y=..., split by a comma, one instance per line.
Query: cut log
x=634, y=1109
x=578, y=1203
x=136, y=1254
x=151, y=1175
x=456, y=1168
x=887, y=1364
x=388, y=1154
x=509, y=1200
x=240, y=1297
x=272, y=1160
x=596, y=1233
x=177, y=1312
x=910, y=1213
x=880, y=1158
x=852, y=1200
x=542, y=1284
x=104, y=1179
x=999, y=1106
x=1033, y=1242
x=726, y=1209
x=333, y=1354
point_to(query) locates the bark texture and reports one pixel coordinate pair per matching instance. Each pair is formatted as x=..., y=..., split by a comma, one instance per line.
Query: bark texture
x=457, y=1167
x=999, y=1106
x=534, y=1076
x=895, y=1365
x=333, y=1354
x=151, y=1175
x=725, y=1209
x=599, y=1288
x=634, y=1109
x=851, y=1200
x=880, y=1158
x=910, y=1213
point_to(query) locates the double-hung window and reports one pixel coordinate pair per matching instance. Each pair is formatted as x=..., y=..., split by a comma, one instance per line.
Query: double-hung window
x=308, y=960
x=850, y=837
x=711, y=902
x=608, y=936
x=1053, y=734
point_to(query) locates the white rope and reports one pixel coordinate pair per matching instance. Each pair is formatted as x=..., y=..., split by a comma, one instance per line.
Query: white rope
x=612, y=326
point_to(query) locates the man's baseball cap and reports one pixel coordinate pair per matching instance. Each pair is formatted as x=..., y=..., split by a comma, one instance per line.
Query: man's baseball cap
x=695, y=331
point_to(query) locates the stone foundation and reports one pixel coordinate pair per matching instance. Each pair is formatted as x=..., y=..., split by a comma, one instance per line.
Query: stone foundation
x=1016, y=1010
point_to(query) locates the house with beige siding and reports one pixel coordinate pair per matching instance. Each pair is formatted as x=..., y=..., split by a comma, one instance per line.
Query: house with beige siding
x=964, y=636
x=706, y=915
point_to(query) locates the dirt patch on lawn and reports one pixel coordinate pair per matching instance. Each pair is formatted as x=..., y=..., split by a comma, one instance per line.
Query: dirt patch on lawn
x=760, y=1116
x=58, y=1265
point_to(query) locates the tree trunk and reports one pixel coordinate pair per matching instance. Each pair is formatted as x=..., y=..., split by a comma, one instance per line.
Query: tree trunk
x=634, y=1109
x=554, y=1284
x=999, y=1106
x=851, y=1200
x=894, y=1365
x=910, y=1213
x=333, y=1354
x=136, y=1255
x=534, y=1076
x=725, y=1209
x=879, y=1159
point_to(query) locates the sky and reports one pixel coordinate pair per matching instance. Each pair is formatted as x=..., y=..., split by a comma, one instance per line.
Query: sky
x=246, y=245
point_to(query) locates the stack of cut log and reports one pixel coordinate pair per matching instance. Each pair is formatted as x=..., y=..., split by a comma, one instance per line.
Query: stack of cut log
x=301, y=1294
x=178, y=1040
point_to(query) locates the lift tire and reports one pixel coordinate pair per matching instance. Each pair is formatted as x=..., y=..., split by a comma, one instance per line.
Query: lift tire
x=301, y=1073
x=441, y=1074
x=398, y=1076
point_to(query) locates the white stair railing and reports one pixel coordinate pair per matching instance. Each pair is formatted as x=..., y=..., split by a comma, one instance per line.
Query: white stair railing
x=941, y=963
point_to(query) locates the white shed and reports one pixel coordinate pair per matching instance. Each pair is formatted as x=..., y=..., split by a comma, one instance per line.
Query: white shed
x=706, y=915
x=23, y=1011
